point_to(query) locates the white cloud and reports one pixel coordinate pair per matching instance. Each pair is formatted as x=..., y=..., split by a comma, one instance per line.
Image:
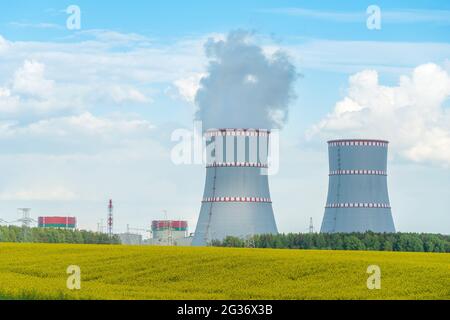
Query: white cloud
x=29, y=90
x=447, y=65
x=83, y=127
x=4, y=92
x=187, y=87
x=83, y=160
x=122, y=94
x=75, y=142
x=3, y=44
x=317, y=14
x=86, y=122
x=412, y=115
x=93, y=60
x=39, y=194
x=93, y=69
x=39, y=25
x=30, y=80
x=92, y=56
x=352, y=56
x=8, y=103
x=388, y=16
x=111, y=36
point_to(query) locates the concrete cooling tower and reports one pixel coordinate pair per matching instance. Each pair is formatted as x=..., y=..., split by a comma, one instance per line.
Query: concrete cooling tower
x=236, y=199
x=358, y=199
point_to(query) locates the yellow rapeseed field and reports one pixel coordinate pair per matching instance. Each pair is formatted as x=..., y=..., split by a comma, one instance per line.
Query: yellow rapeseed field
x=38, y=271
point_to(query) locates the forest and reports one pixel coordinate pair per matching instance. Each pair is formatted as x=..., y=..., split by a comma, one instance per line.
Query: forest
x=52, y=235
x=409, y=242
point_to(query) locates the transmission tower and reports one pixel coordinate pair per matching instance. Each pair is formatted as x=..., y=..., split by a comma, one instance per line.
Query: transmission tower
x=100, y=227
x=26, y=221
x=110, y=219
x=311, y=225
x=250, y=242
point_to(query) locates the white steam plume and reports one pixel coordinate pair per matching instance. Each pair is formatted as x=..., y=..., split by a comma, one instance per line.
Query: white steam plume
x=243, y=87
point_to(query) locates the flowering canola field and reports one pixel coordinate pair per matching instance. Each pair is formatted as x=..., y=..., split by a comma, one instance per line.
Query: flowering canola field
x=38, y=271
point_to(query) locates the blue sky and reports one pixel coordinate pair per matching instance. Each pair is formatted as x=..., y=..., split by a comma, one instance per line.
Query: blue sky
x=87, y=114
x=181, y=18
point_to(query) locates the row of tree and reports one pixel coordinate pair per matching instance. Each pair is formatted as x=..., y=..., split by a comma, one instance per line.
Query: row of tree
x=51, y=235
x=414, y=242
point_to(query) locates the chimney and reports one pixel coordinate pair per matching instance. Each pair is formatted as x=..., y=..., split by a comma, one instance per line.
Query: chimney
x=358, y=199
x=236, y=199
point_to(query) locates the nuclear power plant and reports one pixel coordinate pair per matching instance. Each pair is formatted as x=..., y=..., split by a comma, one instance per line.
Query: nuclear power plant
x=358, y=199
x=236, y=198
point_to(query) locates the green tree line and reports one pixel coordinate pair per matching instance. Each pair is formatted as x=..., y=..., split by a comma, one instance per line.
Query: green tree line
x=51, y=235
x=412, y=242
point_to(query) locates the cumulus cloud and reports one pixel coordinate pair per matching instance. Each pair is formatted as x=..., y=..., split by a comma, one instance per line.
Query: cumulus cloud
x=30, y=80
x=412, y=115
x=30, y=90
x=243, y=87
x=106, y=58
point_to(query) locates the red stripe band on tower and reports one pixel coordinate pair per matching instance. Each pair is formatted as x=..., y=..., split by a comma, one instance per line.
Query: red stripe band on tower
x=238, y=132
x=358, y=143
x=237, y=199
x=237, y=164
x=358, y=205
x=356, y=172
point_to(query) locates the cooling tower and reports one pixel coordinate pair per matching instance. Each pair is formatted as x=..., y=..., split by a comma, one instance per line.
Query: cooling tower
x=358, y=199
x=236, y=198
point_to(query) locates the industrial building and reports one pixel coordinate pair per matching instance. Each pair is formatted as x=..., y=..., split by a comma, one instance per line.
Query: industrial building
x=170, y=233
x=57, y=222
x=358, y=199
x=129, y=238
x=236, y=198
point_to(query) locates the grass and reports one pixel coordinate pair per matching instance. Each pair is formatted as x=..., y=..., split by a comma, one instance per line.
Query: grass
x=38, y=271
